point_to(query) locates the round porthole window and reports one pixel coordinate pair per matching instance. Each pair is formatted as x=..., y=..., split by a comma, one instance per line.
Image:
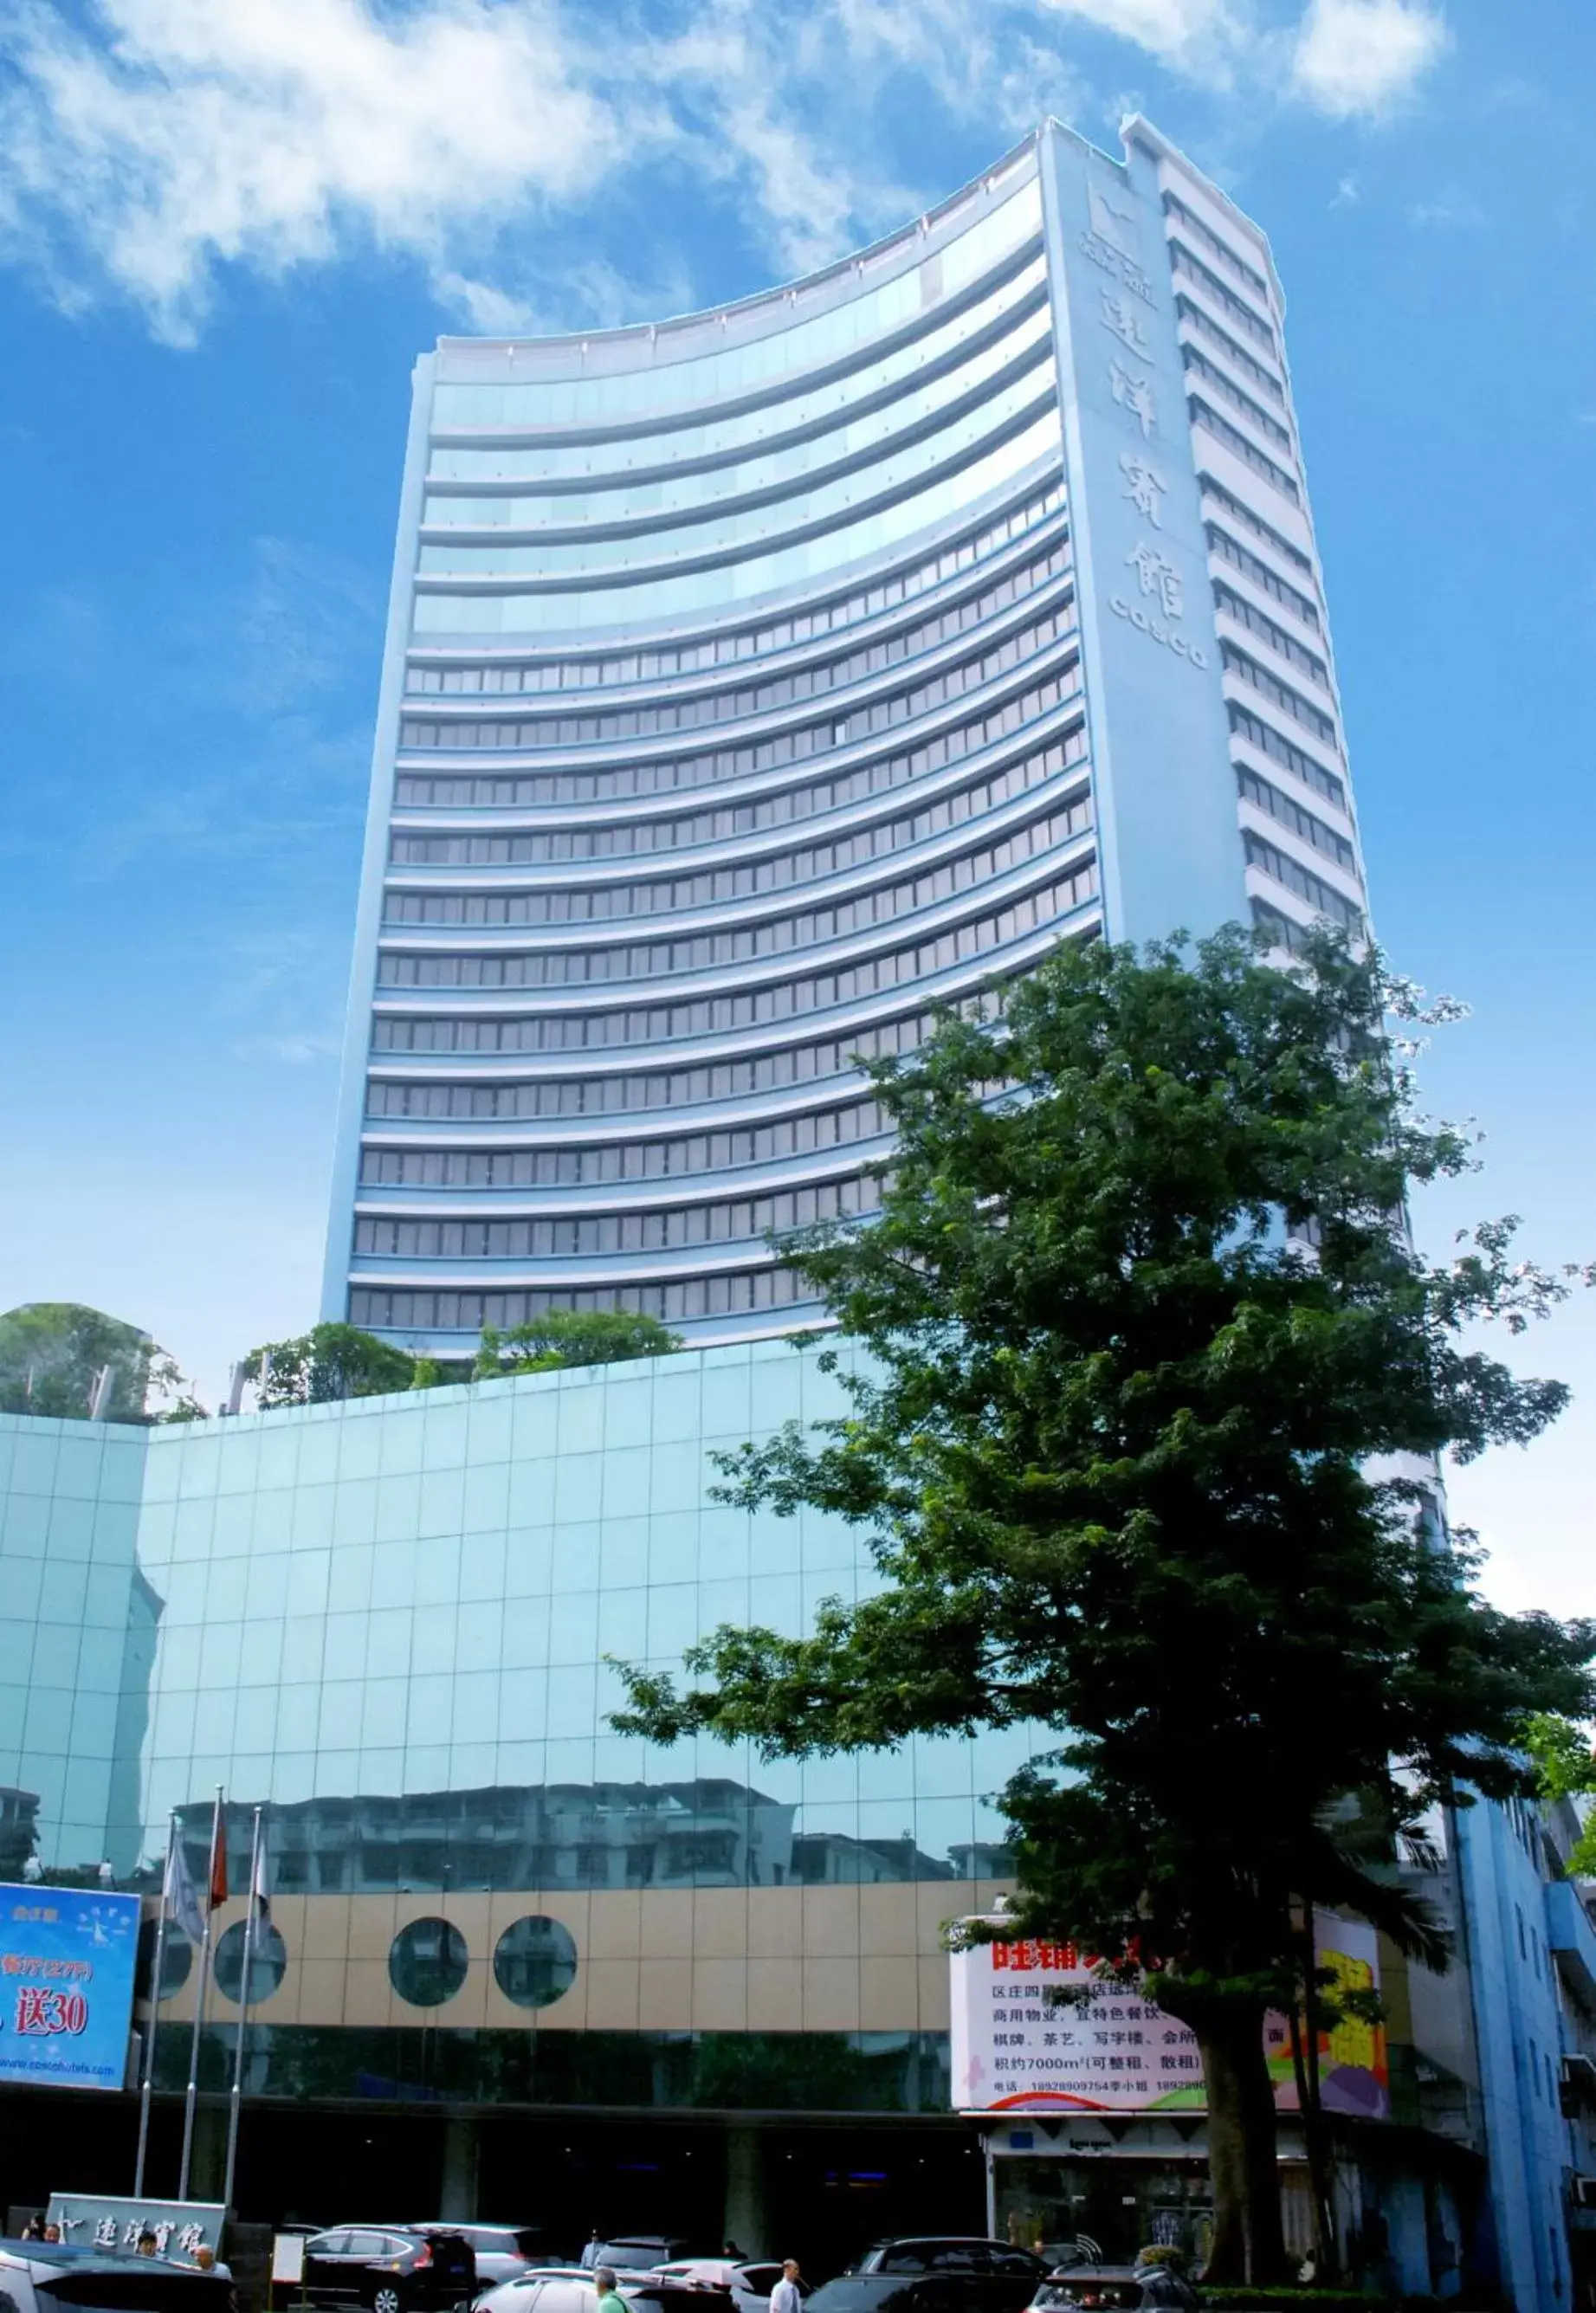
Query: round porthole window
x=427, y=1963
x=177, y=1957
x=534, y=1962
x=268, y=1963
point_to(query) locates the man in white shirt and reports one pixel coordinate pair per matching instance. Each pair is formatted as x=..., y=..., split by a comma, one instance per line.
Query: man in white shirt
x=786, y=2297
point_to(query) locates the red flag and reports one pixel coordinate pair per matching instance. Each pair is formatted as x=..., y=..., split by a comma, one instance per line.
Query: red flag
x=219, y=1866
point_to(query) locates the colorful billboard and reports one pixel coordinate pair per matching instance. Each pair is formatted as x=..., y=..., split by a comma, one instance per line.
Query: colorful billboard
x=67, y=1960
x=1016, y=2048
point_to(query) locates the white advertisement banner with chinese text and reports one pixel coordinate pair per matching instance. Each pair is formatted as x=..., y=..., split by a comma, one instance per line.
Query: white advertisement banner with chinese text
x=1016, y=2048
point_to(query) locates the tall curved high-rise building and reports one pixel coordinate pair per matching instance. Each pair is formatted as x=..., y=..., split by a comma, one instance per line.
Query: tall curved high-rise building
x=758, y=681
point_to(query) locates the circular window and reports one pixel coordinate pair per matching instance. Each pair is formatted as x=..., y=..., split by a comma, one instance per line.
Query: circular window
x=534, y=1962
x=177, y=1959
x=268, y=1963
x=427, y=1963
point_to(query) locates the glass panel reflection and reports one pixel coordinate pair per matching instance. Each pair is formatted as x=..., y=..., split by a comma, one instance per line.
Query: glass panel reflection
x=534, y=1962
x=711, y=1830
x=427, y=1963
x=269, y=1962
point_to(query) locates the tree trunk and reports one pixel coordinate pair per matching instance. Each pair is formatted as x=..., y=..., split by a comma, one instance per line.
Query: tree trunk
x=1248, y=2240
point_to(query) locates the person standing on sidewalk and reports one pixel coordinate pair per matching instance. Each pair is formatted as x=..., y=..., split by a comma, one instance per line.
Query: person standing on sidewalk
x=787, y=2297
x=610, y=2300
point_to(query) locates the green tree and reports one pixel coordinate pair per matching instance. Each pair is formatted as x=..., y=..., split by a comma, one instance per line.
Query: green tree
x=332, y=1361
x=1565, y=1769
x=1144, y=1441
x=53, y=1352
x=571, y=1337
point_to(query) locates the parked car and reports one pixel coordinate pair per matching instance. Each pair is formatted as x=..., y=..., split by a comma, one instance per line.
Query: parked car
x=502, y=2252
x=956, y=2284
x=745, y=2284
x=572, y=2288
x=952, y=2252
x=1114, y=2289
x=389, y=2268
x=50, y=2277
x=635, y=2252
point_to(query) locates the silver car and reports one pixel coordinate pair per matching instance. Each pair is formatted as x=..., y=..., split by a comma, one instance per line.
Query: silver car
x=572, y=2288
x=747, y=2282
x=502, y=2252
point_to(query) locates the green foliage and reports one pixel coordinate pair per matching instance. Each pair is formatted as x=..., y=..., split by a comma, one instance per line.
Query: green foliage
x=338, y=1361
x=52, y=1352
x=567, y=1337
x=1565, y=1769
x=330, y=1361
x=1139, y=1468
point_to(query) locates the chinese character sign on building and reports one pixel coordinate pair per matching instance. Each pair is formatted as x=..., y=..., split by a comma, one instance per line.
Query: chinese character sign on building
x=67, y=1960
x=108, y=2221
x=1017, y=2047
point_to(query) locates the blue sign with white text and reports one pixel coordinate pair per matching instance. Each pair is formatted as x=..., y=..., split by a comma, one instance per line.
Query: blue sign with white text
x=66, y=1961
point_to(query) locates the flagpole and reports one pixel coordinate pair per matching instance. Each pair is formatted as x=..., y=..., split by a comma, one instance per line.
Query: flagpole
x=192, y=2097
x=243, y=2013
x=147, y=2084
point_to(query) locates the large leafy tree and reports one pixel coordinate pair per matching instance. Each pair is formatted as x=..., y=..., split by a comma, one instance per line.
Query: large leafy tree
x=52, y=1354
x=1144, y=1442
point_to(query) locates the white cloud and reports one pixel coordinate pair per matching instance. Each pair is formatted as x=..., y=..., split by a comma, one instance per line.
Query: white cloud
x=1194, y=35
x=194, y=131
x=1365, y=56
x=1446, y=208
x=146, y=145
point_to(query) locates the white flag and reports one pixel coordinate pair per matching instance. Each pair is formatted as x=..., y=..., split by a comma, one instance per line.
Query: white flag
x=179, y=1893
x=259, y=1895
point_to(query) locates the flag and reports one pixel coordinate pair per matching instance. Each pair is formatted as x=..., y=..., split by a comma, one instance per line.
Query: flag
x=218, y=1863
x=179, y=1893
x=259, y=1896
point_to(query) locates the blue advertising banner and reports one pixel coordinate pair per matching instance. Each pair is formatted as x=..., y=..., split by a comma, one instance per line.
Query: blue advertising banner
x=66, y=1959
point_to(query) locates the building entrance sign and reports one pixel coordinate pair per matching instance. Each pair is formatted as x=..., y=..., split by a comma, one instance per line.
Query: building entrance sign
x=67, y=1957
x=110, y=2220
x=1017, y=2047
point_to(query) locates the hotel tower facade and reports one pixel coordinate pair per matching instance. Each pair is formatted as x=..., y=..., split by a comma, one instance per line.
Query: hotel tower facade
x=758, y=681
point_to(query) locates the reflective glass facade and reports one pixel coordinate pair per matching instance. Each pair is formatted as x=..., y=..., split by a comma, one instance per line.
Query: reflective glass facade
x=759, y=681
x=386, y=1622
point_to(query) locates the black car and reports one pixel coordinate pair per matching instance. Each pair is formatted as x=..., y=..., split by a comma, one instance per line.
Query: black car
x=1116, y=2289
x=389, y=2268
x=952, y=2253
x=1004, y=2281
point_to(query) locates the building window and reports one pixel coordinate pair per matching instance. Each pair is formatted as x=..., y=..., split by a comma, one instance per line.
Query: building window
x=268, y=1963
x=177, y=1959
x=534, y=1962
x=427, y=1963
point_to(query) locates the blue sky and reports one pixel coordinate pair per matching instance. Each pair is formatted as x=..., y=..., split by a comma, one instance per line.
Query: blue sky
x=226, y=228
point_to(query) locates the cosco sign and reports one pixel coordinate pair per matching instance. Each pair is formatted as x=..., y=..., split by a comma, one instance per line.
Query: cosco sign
x=1193, y=652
